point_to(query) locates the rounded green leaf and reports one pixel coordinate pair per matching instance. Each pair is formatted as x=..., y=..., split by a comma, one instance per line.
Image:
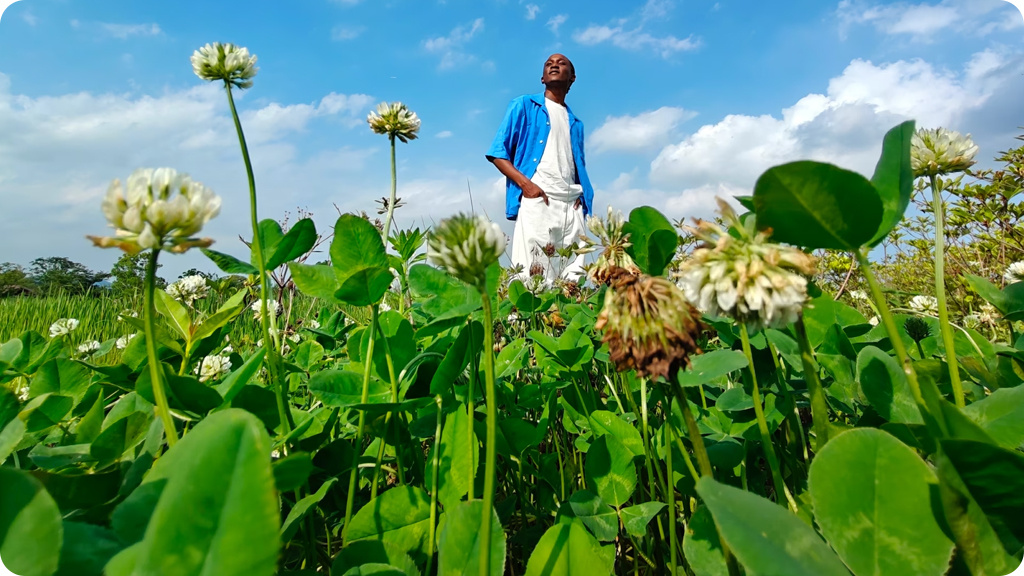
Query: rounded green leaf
x=400, y=516
x=598, y=516
x=765, y=537
x=872, y=500
x=610, y=470
x=341, y=389
x=31, y=532
x=365, y=552
x=885, y=386
x=653, y=240
x=894, y=178
x=567, y=549
x=706, y=367
x=459, y=546
x=605, y=422
x=636, y=518
x=1001, y=415
x=87, y=549
x=218, y=501
x=702, y=547
x=817, y=205
x=459, y=458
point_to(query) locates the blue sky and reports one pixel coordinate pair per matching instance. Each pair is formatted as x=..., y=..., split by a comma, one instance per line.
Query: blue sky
x=683, y=100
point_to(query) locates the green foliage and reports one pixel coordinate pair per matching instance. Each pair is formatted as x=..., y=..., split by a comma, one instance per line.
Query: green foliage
x=58, y=274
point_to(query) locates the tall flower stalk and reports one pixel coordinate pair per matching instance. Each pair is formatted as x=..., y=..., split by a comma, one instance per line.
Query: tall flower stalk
x=364, y=399
x=398, y=123
x=934, y=153
x=466, y=246
x=159, y=209
x=236, y=67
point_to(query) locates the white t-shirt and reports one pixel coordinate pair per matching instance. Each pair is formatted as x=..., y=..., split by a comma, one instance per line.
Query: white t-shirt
x=556, y=172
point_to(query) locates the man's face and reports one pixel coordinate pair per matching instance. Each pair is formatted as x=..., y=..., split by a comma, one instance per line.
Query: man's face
x=558, y=69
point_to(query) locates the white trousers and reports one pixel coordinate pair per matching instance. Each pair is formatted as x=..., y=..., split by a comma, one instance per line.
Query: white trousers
x=541, y=227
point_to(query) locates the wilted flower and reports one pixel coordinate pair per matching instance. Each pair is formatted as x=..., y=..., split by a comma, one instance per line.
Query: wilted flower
x=226, y=62
x=273, y=306
x=465, y=246
x=924, y=304
x=614, y=242
x=1014, y=273
x=189, y=289
x=62, y=327
x=988, y=314
x=160, y=210
x=940, y=151
x=755, y=281
x=123, y=341
x=648, y=324
x=213, y=367
x=395, y=120
x=89, y=347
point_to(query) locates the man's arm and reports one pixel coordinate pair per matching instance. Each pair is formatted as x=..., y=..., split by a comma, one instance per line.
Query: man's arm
x=530, y=190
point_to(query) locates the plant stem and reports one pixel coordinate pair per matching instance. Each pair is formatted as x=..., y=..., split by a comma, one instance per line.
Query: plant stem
x=940, y=294
x=273, y=361
x=762, y=423
x=434, y=465
x=699, y=450
x=492, y=433
x=394, y=191
x=672, y=513
x=819, y=409
x=368, y=361
x=155, y=370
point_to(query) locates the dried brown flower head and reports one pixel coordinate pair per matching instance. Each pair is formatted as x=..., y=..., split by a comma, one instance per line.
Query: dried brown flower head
x=549, y=250
x=648, y=324
x=536, y=269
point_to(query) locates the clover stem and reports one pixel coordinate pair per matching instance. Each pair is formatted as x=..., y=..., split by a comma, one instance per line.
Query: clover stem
x=435, y=466
x=940, y=294
x=492, y=433
x=155, y=370
x=819, y=409
x=394, y=191
x=762, y=423
x=273, y=360
x=672, y=512
x=353, y=475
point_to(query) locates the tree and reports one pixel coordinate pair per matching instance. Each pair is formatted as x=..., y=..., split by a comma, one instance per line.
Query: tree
x=59, y=274
x=129, y=274
x=14, y=280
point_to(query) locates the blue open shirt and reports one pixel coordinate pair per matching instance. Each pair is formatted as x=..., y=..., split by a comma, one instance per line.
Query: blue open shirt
x=520, y=140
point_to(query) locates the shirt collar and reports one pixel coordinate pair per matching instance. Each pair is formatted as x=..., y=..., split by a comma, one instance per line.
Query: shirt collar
x=539, y=100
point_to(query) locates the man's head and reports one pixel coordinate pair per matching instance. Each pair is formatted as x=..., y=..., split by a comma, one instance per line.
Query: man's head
x=558, y=72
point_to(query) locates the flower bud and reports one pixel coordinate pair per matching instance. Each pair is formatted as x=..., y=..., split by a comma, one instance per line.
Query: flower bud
x=466, y=246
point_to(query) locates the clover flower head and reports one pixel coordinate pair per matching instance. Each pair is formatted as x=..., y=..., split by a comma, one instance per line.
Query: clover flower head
x=63, y=327
x=924, y=304
x=465, y=246
x=87, y=348
x=648, y=324
x=989, y=315
x=273, y=306
x=859, y=295
x=127, y=314
x=312, y=324
x=213, y=368
x=746, y=277
x=917, y=328
x=940, y=151
x=158, y=209
x=123, y=341
x=396, y=120
x=23, y=394
x=613, y=241
x=227, y=62
x=227, y=350
x=1014, y=273
x=189, y=289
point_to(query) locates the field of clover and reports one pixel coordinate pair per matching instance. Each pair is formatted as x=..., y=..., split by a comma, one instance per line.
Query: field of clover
x=699, y=405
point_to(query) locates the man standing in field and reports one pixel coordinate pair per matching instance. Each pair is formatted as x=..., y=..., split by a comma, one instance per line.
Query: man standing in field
x=539, y=149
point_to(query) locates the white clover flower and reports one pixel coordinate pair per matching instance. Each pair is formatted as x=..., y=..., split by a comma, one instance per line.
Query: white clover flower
x=988, y=314
x=924, y=304
x=395, y=120
x=384, y=306
x=63, y=326
x=746, y=277
x=89, y=347
x=513, y=318
x=23, y=393
x=189, y=289
x=873, y=321
x=859, y=295
x=273, y=306
x=295, y=338
x=940, y=151
x=275, y=454
x=227, y=350
x=312, y=324
x=123, y=341
x=1014, y=273
x=213, y=368
x=611, y=236
x=465, y=246
x=226, y=62
x=159, y=209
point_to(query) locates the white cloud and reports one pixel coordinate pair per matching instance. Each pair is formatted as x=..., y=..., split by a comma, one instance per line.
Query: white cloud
x=635, y=39
x=555, y=22
x=531, y=11
x=61, y=152
x=30, y=18
x=125, y=31
x=843, y=126
x=923, y=21
x=644, y=131
x=342, y=33
x=444, y=134
x=655, y=9
x=450, y=46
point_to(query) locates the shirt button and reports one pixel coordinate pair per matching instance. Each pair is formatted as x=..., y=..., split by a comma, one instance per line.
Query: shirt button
x=534, y=159
x=541, y=142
